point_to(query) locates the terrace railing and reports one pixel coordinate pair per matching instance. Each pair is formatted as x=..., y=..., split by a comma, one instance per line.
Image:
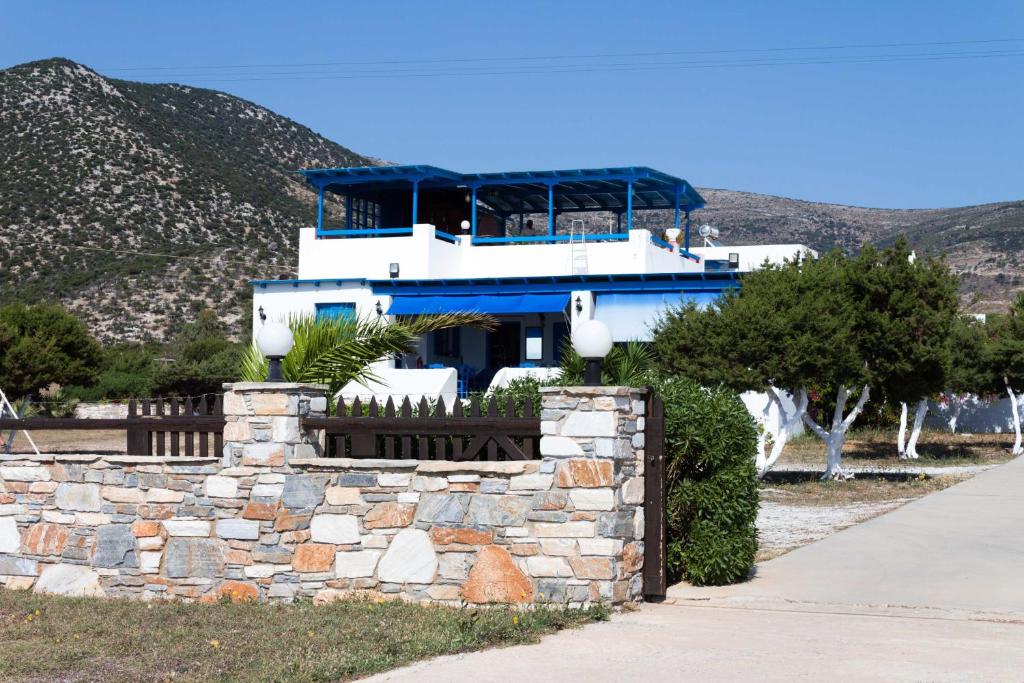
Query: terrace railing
x=489, y=432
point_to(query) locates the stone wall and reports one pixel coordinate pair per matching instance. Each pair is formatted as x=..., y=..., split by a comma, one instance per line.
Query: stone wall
x=272, y=520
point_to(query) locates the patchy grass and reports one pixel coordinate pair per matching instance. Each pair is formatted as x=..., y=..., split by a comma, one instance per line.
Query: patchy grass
x=877, y=448
x=861, y=489
x=46, y=638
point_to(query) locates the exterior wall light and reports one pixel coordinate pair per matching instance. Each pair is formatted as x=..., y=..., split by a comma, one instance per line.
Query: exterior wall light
x=379, y=309
x=393, y=270
x=465, y=225
x=592, y=340
x=263, y=315
x=579, y=305
x=275, y=340
x=734, y=261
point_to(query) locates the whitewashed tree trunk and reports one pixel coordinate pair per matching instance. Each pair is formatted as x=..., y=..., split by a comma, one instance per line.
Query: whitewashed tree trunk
x=958, y=401
x=1015, y=409
x=901, y=439
x=915, y=432
x=787, y=424
x=835, y=437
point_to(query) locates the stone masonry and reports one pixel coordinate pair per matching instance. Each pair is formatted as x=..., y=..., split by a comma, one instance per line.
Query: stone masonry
x=271, y=520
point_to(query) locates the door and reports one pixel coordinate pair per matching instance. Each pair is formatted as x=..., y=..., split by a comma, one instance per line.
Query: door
x=504, y=345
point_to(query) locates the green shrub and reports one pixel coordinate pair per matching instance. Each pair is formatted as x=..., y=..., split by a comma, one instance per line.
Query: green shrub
x=712, y=499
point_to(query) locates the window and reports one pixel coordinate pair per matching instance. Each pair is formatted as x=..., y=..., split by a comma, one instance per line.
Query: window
x=534, y=343
x=447, y=342
x=365, y=214
x=346, y=311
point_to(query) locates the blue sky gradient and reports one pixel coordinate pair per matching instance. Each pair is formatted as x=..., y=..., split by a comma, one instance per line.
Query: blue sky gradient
x=906, y=134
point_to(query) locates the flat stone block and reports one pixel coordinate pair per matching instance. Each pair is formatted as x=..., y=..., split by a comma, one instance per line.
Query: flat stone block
x=69, y=579
x=531, y=482
x=221, y=487
x=78, y=497
x=187, y=527
x=115, y=546
x=441, y=508
x=497, y=510
x=18, y=566
x=592, y=499
x=304, y=490
x=548, y=566
x=10, y=537
x=409, y=559
x=559, y=446
x=594, y=423
x=563, y=529
x=343, y=495
x=337, y=529
x=24, y=473
x=356, y=563
x=239, y=529
x=194, y=558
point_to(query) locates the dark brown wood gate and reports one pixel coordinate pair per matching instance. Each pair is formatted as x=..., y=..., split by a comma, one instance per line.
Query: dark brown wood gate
x=655, y=549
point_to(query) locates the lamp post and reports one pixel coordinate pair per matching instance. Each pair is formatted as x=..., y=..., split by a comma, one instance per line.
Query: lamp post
x=592, y=340
x=275, y=340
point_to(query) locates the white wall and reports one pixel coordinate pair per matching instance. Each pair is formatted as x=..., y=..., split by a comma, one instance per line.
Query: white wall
x=753, y=257
x=422, y=256
x=278, y=300
x=977, y=416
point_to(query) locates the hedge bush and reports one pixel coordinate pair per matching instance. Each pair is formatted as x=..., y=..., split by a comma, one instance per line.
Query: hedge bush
x=712, y=499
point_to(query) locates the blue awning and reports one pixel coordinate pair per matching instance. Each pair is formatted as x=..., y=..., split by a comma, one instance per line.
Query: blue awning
x=493, y=304
x=631, y=316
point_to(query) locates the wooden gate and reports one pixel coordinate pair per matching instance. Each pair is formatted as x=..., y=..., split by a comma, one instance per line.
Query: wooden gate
x=655, y=549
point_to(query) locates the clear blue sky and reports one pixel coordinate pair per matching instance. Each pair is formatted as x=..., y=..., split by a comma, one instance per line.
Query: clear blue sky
x=881, y=133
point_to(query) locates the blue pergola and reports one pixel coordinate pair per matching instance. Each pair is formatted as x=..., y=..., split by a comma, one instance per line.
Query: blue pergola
x=620, y=191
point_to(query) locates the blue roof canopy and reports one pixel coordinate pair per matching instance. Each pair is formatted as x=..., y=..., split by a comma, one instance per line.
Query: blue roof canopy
x=493, y=304
x=593, y=189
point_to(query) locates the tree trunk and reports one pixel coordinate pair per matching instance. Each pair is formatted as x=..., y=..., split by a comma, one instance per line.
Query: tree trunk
x=787, y=423
x=958, y=405
x=901, y=439
x=919, y=415
x=835, y=438
x=1015, y=409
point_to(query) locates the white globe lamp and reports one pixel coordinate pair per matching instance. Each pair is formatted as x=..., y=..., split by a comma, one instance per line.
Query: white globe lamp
x=275, y=340
x=465, y=225
x=592, y=340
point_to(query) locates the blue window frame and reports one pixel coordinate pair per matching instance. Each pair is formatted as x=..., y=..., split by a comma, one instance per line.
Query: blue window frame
x=345, y=311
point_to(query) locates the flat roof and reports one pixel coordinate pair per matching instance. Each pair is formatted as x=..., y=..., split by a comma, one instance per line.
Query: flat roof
x=581, y=189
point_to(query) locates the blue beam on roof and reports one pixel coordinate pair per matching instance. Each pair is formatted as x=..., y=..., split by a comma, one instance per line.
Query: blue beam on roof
x=659, y=282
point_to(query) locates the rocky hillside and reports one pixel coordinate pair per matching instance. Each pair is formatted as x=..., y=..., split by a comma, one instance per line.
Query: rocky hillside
x=99, y=172
x=103, y=178
x=983, y=244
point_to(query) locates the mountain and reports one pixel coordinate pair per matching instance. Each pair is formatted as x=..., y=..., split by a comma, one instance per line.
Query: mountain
x=96, y=170
x=103, y=178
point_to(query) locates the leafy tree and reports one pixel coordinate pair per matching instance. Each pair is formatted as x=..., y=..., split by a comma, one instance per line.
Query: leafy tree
x=970, y=372
x=202, y=357
x=833, y=326
x=1005, y=360
x=126, y=370
x=42, y=345
x=335, y=351
x=905, y=314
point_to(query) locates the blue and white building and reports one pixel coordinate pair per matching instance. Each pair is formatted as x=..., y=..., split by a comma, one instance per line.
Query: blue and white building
x=539, y=250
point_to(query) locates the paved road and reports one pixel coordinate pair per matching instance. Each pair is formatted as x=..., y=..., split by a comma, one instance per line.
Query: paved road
x=933, y=591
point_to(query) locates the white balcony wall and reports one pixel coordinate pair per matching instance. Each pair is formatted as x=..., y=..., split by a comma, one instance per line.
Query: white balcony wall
x=422, y=256
x=753, y=256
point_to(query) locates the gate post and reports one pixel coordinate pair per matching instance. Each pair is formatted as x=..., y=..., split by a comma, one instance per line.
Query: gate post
x=655, y=579
x=263, y=422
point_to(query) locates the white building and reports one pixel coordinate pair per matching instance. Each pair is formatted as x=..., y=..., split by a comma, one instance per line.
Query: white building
x=541, y=251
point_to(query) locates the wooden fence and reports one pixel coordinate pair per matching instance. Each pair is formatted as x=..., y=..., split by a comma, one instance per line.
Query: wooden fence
x=426, y=432
x=174, y=427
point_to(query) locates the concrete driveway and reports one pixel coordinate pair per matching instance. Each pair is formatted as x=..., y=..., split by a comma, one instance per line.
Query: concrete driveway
x=933, y=591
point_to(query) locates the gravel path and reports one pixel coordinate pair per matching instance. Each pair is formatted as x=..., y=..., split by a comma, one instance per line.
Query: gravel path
x=783, y=527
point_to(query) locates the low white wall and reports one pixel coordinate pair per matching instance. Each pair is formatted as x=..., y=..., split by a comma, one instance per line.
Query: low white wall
x=100, y=411
x=977, y=416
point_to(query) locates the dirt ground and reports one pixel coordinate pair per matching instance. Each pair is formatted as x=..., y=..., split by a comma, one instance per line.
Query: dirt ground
x=797, y=508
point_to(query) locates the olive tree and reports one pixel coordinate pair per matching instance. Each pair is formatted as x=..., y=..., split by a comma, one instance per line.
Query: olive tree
x=835, y=323
x=906, y=309
x=1005, y=360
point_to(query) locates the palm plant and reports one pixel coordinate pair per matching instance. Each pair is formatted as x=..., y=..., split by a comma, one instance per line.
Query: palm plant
x=335, y=351
x=627, y=365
